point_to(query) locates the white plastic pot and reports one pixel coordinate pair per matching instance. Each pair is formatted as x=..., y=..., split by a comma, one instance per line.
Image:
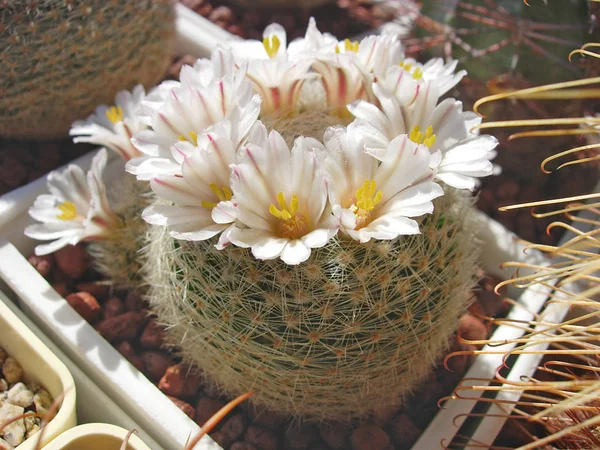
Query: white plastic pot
x=42, y=366
x=96, y=436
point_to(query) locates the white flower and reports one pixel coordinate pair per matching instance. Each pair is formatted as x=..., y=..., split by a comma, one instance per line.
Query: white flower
x=277, y=78
x=458, y=153
x=202, y=196
x=348, y=71
x=281, y=198
x=188, y=110
x=75, y=210
x=376, y=201
x=114, y=126
x=405, y=78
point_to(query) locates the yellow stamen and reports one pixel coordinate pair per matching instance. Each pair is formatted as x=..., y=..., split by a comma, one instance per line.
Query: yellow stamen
x=405, y=66
x=223, y=194
x=69, y=212
x=367, y=196
x=271, y=44
x=292, y=225
x=349, y=46
x=417, y=74
x=193, y=138
x=114, y=114
x=417, y=136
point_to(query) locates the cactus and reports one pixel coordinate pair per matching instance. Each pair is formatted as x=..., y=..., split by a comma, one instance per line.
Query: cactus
x=355, y=327
x=118, y=257
x=60, y=59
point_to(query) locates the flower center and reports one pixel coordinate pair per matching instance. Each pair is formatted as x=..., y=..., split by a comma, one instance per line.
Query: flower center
x=292, y=225
x=68, y=211
x=417, y=136
x=193, y=138
x=114, y=114
x=223, y=193
x=417, y=73
x=367, y=197
x=349, y=46
x=271, y=44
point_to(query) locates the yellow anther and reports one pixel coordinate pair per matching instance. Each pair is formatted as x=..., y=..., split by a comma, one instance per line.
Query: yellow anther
x=349, y=46
x=114, y=114
x=271, y=44
x=223, y=194
x=69, y=212
x=292, y=225
x=417, y=136
x=405, y=66
x=367, y=197
x=193, y=138
x=417, y=74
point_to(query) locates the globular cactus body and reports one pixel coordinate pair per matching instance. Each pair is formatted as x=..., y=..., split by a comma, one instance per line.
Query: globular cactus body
x=118, y=257
x=60, y=59
x=355, y=327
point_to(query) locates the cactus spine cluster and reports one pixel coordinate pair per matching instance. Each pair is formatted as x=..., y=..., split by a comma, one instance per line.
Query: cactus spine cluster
x=60, y=59
x=118, y=257
x=355, y=327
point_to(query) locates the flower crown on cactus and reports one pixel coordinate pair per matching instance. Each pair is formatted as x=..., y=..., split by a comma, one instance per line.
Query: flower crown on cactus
x=352, y=139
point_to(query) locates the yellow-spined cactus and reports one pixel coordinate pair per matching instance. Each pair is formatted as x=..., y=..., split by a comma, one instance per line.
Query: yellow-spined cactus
x=60, y=59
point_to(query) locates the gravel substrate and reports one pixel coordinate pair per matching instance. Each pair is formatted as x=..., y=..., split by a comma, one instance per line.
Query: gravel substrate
x=123, y=319
x=19, y=395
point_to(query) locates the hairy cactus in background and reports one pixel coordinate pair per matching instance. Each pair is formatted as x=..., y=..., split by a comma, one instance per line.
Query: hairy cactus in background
x=355, y=327
x=59, y=60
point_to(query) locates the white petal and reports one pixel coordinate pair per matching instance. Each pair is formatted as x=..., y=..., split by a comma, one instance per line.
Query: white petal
x=319, y=237
x=295, y=252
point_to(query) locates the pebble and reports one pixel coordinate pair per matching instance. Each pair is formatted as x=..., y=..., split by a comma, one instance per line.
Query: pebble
x=32, y=425
x=3, y=355
x=125, y=326
x=127, y=350
x=300, y=437
x=15, y=432
x=471, y=328
x=184, y=406
x=72, y=260
x=404, y=431
x=156, y=364
x=134, y=302
x=12, y=370
x=153, y=336
x=206, y=408
x=43, y=264
x=98, y=289
x=19, y=395
x=233, y=429
x=261, y=438
x=42, y=401
x=336, y=435
x=369, y=436
x=243, y=446
x=113, y=307
x=180, y=381
x=85, y=304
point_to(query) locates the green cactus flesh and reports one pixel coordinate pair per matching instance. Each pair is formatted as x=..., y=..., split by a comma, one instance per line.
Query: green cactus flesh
x=354, y=328
x=60, y=59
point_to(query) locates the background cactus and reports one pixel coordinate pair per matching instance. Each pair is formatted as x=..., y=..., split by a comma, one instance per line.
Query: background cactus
x=355, y=327
x=118, y=258
x=60, y=59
